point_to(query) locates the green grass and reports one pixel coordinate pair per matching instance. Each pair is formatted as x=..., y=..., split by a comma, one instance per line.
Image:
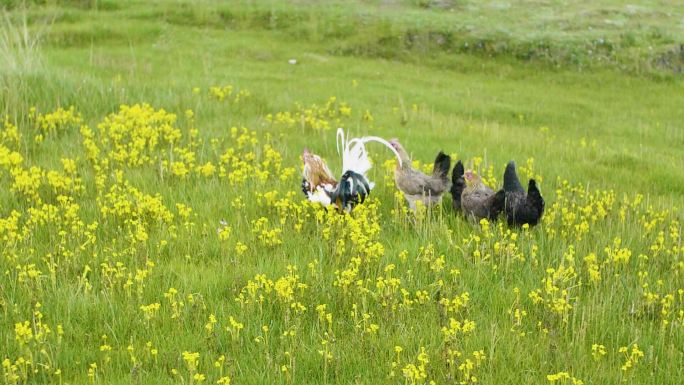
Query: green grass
x=478, y=79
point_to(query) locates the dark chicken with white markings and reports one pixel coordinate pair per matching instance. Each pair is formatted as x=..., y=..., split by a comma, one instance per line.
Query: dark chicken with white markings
x=319, y=185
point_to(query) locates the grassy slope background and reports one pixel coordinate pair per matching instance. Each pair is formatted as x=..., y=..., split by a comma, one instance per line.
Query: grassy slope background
x=591, y=92
x=475, y=100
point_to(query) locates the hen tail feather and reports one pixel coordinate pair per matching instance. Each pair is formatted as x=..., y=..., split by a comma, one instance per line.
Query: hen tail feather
x=442, y=166
x=534, y=197
x=457, y=184
x=354, y=154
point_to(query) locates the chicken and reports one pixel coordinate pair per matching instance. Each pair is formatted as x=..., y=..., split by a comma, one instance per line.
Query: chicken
x=479, y=201
x=320, y=186
x=457, y=185
x=472, y=197
x=520, y=207
x=318, y=180
x=417, y=186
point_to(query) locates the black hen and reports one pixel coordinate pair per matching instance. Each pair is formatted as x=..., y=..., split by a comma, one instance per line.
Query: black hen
x=457, y=185
x=520, y=207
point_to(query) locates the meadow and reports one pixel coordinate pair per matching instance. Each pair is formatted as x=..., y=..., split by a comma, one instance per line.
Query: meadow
x=153, y=229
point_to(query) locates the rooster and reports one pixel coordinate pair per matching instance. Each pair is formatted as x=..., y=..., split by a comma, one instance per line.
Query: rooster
x=320, y=186
x=417, y=186
x=521, y=207
x=476, y=200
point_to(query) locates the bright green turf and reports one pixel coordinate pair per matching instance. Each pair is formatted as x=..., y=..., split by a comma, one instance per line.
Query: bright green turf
x=610, y=120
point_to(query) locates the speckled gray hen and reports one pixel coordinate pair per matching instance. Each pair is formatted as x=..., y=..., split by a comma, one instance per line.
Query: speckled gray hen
x=476, y=200
x=418, y=186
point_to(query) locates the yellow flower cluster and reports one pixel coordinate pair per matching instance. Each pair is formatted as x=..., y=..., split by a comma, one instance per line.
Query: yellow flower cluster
x=52, y=123
x=37, y=344
x=557, y=286
x=632, y=356
x=563, y=378
x=129, y=225
x=227, y=93
x=317, y=118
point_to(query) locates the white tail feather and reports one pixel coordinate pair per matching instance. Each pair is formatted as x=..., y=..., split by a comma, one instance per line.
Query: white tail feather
x=354, y=154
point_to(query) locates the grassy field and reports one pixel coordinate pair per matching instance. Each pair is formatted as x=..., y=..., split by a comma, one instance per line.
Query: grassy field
x=153, y=230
